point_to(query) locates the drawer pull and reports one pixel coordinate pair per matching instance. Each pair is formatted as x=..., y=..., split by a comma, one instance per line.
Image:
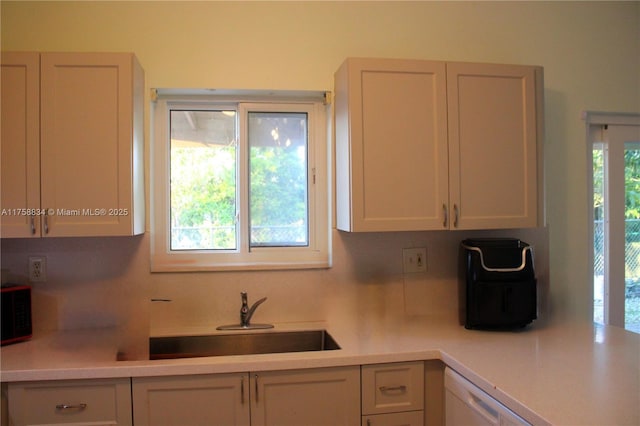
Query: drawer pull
x=393, y=389
x=67, y=407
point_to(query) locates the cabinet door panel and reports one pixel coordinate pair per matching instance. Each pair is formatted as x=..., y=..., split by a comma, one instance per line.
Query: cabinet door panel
x=86, y=154
x=391, y=145
x=20, y=144
x=492, y=145
x=191, y=400
x=328, y=396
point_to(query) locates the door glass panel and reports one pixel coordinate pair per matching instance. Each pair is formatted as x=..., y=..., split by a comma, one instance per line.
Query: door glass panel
x=632, y=236
x=598, y=234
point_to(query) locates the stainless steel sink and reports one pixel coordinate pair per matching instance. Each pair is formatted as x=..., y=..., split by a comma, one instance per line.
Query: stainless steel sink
x=240, y=344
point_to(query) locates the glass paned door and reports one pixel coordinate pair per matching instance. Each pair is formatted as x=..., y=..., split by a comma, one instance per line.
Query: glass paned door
x=616, y=202
x=632, y=236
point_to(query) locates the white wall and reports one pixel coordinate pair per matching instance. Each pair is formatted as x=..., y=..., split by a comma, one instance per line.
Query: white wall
x=590, y=52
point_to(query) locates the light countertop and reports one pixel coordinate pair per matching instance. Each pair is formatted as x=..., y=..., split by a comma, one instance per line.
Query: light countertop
x=561, y=374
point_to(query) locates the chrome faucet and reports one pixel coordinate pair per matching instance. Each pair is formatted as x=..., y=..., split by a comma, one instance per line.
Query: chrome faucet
x=246, y=313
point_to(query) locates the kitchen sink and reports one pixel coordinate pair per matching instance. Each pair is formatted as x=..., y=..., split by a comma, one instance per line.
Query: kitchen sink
x=240, y=344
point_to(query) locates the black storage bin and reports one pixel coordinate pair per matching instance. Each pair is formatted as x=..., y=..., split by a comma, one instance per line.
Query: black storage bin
x=499, y=283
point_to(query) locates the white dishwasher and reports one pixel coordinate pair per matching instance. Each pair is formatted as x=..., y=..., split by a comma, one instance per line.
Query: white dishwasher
x=468, y=405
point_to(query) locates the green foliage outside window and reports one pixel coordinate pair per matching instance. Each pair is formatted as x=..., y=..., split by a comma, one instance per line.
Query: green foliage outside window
x=203, y=194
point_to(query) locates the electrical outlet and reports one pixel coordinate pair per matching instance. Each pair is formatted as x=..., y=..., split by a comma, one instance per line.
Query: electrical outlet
x=37, y=269
x=414, y=260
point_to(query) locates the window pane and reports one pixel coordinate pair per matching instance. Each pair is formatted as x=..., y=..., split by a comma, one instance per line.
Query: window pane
x=278, y=206
x=598, y=234
x=203, y=180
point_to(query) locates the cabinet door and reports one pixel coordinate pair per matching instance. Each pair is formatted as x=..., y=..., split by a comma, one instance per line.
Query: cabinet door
x=327, y=396
x=221, y=399
x=70, y=402
x=391, y=145
x=90, y=144
x=20, y=156
x=492, y=145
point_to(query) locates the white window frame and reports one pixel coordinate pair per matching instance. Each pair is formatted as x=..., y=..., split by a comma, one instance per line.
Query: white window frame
x=315, y=255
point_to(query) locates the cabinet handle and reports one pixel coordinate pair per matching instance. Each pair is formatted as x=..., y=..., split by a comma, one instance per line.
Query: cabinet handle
x=256, y=386
x=46, y=222
x=388, y=389
x=455, y=215
x=33, y=225
x=65, y=407
x=242, y=390
x=368, y=422
x=446, y=215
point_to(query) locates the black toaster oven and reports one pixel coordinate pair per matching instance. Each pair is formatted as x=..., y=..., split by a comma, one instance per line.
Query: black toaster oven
x=16, y=313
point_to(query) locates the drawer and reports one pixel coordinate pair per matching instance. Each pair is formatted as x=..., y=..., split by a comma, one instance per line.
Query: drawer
x=406, y=418
x=391, y=388
x=70, y=402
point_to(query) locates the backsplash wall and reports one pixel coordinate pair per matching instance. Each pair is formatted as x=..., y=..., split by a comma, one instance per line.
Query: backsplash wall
x=106, y=282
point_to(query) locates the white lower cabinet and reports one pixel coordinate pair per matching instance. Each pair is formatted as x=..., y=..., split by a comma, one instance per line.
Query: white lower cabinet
x=325, y=396
x=314, y=397
x=211, y=399
x=390, y=394
x=393, y=394
x=70, y=402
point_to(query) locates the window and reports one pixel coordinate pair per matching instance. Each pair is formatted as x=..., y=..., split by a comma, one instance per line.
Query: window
x=239, y=184
x=615, y=159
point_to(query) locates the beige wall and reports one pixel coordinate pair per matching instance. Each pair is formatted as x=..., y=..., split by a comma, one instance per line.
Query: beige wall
x=590, y=52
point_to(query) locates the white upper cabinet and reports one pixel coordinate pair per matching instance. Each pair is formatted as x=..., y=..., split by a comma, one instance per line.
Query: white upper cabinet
x=20, y=144
x=425, y=145
x=89, y=139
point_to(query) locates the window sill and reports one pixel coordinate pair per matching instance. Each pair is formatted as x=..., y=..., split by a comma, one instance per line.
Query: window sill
x=205, y=262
